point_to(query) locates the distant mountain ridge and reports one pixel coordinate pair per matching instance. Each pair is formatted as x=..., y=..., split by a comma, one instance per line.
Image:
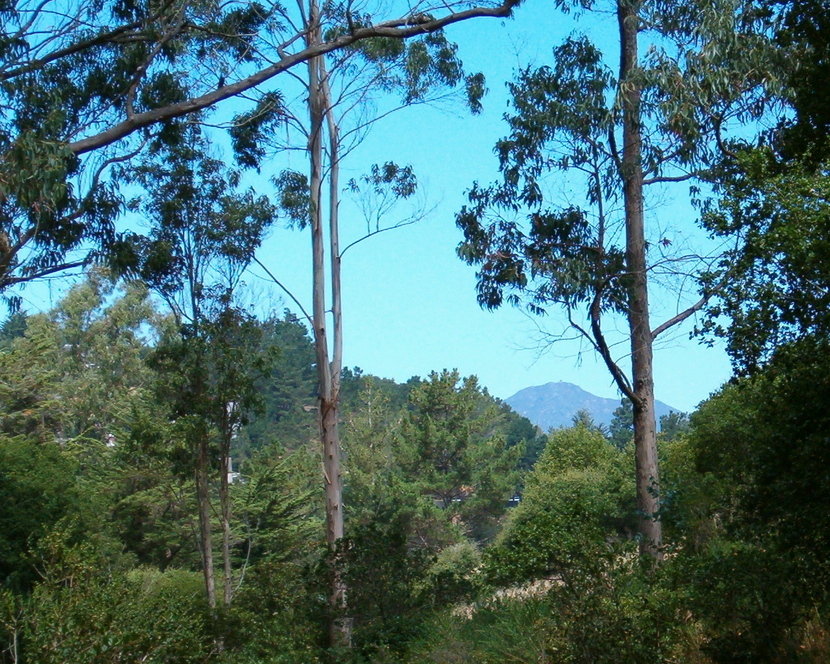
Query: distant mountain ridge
x=555, y=404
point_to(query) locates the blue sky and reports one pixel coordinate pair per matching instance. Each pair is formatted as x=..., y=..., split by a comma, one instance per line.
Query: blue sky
x=409, y=302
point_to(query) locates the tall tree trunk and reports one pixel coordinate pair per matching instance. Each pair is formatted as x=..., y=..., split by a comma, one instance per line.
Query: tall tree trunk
x=328, y=370
x=227, y=431
x=645, y=430
x=342, y=628
x=225, y=516
x=203, y=500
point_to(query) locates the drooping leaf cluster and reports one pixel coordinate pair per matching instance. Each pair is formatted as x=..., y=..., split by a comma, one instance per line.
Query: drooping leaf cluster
x=79, y=70
x=522, y=243
x=774, y=284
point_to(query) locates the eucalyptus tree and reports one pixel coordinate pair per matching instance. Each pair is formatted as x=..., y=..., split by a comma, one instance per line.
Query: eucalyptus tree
x=203, y=232
x=338, y=104
x=87, y=85
x=659, y=118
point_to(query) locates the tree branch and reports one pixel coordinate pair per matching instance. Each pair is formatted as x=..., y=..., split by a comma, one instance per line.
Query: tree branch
x=104, y=38
x=669, y=178
x=41, y=273
x=407, y=222
x=395, y=29
x=683, y=315
x=285, y=290
x=602, y=348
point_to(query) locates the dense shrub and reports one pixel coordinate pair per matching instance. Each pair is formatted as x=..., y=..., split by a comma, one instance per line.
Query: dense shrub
x=573, y=513
x=143, y=616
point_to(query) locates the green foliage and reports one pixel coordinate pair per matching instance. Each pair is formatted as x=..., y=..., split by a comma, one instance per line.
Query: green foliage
x=453, y=576
x=417, y=69
x=802, y=30
x=287, y=390
x=38, y=489
x=765, y=436
x=616, y=618
x=140, y=616
x=375, y=482
x=294, y=198
x=749, y=601
x=383, y=573
x=274, y=618
x=401, y=179
x=279, y=507
x=673, y=425
x=693, y=502
x=504, y=631
x=621, y=429
x=249, y=130
x=152, y=507
x=451, y=448
x=576, y=503
x=773, y=287
x=71, y=74
x=76, y=371
x=71, y=383
x=203, y=230
x=718, y=606
x=521, y=431
x=583, y=418
x=207, y=373
x=523, y=244
x=407, y=552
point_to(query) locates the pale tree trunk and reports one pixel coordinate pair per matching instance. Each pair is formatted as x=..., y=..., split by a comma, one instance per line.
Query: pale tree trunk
x=203, y=500
x=225, y=516
x=227, y=431
x=341, y=629
x=645, y=430
x=328, y=369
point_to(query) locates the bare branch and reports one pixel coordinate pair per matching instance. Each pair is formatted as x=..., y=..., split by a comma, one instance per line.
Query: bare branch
x=683, y=315
x=11, y=281
x=407, y=222
x=669, y=178
x=284, y=289
x=602, y=348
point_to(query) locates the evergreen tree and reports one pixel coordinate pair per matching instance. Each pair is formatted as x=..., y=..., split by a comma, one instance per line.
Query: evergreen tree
x=621, y=429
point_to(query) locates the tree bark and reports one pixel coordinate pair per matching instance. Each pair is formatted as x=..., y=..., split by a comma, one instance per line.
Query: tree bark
x=645, y=430
x=205, y=535
x=225, y=508
x=328, y=370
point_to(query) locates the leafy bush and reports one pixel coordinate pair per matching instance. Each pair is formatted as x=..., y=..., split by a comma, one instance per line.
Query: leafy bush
x=143, y=616
x=572, y=513
x=616, y=617
x=453, y=576
x=748, y=601
x=274, y=619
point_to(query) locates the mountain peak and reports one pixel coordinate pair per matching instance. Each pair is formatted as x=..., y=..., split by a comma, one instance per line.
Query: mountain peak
x=554, y=404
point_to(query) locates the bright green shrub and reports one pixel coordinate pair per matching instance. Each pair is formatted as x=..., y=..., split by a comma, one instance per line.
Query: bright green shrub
x=573, y=511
